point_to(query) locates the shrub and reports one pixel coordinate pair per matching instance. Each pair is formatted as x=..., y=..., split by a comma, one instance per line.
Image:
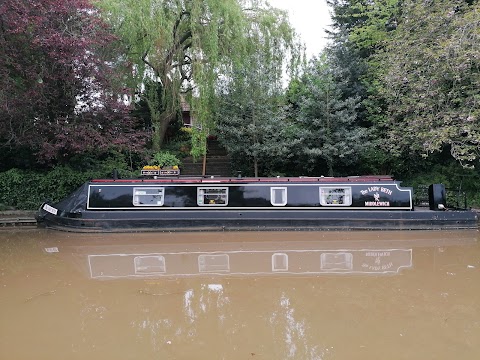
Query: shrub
x=164, y=158
x=28, y=189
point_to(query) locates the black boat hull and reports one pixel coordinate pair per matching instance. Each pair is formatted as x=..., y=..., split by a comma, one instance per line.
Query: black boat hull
x=357, y=203
x=257, y=220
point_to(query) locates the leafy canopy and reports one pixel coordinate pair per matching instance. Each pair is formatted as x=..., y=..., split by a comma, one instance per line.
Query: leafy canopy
x=430, y=80
x=328, y=116
x=187, y=46
x=57, y=80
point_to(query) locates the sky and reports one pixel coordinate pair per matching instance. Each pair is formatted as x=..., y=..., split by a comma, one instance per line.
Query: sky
x=310, y=18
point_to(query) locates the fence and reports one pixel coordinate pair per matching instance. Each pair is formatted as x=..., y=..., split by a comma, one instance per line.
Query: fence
x=455, y=198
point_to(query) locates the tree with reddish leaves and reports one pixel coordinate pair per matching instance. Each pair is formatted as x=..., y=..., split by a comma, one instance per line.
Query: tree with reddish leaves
x=59, y=67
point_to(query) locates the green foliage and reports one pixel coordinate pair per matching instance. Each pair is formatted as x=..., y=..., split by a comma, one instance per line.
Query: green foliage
x=186, y=132
x=328, y=119
x=182, y=45
x=250, y=119
x=422, y=78
x=179, y=148
x=453, y=176
x=396, y=93
x=199, y=142
x=252, y=123
x=380, y=18
x=367, y=22
x=103, y=162
x=27, y=189
x=429, y=81
x=164, y=158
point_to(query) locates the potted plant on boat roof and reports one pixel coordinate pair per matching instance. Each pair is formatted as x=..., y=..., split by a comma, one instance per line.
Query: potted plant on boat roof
x=162, y=163
x=165, y=160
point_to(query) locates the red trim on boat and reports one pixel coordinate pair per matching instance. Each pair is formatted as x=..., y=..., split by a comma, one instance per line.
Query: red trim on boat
x=220, y=180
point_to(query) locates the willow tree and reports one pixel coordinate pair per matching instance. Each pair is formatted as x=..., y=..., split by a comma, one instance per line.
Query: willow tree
x=184, y=46
x=250, y=121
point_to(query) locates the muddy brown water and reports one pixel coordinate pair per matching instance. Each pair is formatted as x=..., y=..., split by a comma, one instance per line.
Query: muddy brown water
x=240, y=295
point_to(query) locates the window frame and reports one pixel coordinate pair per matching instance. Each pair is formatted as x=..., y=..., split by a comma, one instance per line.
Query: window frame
x=347, y=194
x=144, y=188
x=284, y=195
x=213, y=263
x=279, y=258
x=142, y=269
x=201, y=195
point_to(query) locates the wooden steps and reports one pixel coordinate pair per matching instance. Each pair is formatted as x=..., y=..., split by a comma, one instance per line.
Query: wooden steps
x=218, y=162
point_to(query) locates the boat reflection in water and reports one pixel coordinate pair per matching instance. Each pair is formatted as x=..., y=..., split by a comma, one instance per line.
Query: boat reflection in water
x=143, y=256
x=249, y=262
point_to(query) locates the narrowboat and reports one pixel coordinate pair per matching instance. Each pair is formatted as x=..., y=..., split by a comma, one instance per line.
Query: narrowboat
x=176, y=203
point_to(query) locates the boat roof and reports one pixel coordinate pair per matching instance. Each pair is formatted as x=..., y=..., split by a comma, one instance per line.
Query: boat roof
x=220, y=179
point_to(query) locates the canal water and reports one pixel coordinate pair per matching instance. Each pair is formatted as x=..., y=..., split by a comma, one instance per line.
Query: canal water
x=240, y=295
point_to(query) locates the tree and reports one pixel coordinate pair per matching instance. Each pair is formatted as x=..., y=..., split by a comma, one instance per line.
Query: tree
x=361, y=28
x=430, y=80
x=327, y=118
x=251, y=121
x=367, y=22
x=56, y=94
x=185, y=45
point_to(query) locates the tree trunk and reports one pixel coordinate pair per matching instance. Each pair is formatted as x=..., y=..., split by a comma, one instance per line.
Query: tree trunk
x=204, y=167
x=156, y=138
x=160, y=127
x=255, y=160
x=330, y=168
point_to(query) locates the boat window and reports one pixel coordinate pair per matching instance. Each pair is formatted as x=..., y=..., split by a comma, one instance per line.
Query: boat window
x=150, y=264
x=278, y=196
x=336, y=196
x=148, y=196
x=212, y=196
x=213, y=263
x=336, y=261
x=279, y=262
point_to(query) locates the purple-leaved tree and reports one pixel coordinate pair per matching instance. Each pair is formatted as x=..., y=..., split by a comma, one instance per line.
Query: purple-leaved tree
x=60, y=81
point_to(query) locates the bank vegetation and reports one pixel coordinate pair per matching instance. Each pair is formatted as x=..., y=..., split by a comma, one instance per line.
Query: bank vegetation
x=91, y=86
